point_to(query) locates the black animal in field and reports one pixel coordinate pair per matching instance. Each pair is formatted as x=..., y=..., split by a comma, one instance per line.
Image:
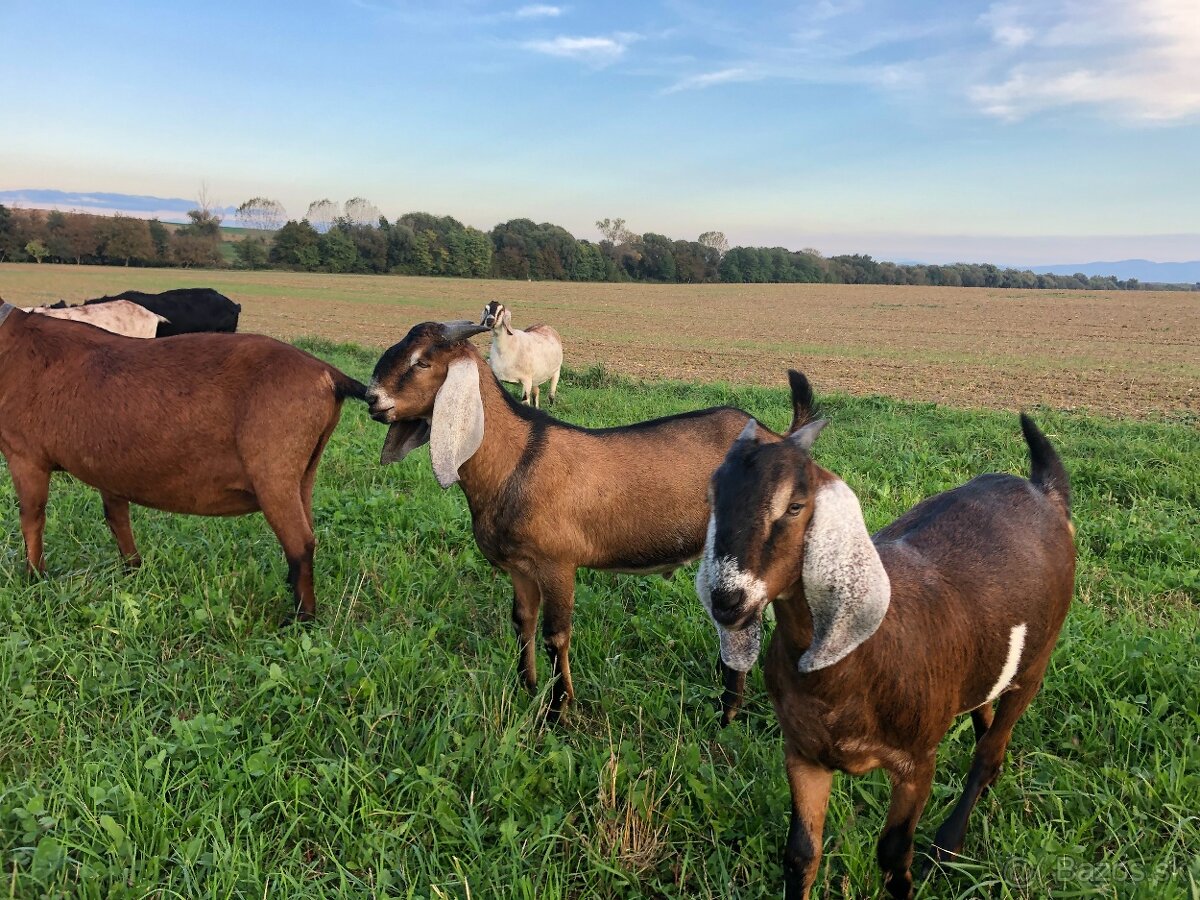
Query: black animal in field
x=187, y=310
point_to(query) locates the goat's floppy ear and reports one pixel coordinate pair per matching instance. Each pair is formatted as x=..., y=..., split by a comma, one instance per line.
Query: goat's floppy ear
x=845, y=583
x=457, y=429
x=402, y=439
x=806, y=436
x=506, y=318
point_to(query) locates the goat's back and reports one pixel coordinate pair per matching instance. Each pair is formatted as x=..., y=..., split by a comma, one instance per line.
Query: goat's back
x=631, y=498
x=177, y=423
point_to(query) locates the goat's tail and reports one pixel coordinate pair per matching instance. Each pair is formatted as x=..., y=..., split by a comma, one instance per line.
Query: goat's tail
x=804, y=406
x=1045, y=468
x=345, y=386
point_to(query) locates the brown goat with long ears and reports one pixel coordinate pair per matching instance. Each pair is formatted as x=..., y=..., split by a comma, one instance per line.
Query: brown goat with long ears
x=882, y=641
x=208, y=424
x=548, y=498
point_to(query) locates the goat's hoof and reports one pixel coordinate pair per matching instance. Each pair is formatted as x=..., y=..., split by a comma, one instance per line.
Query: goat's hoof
x=297, y=617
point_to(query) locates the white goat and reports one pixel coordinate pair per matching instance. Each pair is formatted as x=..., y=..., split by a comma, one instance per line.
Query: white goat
x=119, y=317
x=526, y=357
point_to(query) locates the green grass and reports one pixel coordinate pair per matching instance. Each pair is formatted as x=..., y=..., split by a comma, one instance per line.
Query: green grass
x=160, y=736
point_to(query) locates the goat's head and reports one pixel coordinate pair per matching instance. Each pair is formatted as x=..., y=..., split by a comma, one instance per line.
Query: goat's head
x=781, y=525
x=495, y=315
x=427, y=389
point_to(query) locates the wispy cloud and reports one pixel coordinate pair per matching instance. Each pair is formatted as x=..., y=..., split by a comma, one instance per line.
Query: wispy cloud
x=595, y=50
x=1139, y=62
x=709, y=79
x=539, y=11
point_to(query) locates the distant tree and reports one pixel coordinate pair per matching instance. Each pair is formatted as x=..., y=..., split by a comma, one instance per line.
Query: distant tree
x=295, y=246
x=615, y=232
x=191, y=250
x=251, y=253
x=127, y=239
x=322, y=214
x=37, y=250
x=338, y=253
x=79, y=236
x=161, y=238
x=7, y=236
x=715, y=240
x=262, y=214
x=360, y=211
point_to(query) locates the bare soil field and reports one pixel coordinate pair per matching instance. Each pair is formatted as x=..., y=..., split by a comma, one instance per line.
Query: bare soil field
x=1116, y=353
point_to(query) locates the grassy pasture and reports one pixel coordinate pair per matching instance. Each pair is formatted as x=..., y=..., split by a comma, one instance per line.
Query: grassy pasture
x=161, y=737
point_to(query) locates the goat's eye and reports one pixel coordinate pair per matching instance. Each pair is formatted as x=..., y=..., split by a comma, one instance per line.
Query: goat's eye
x=421, y=364
x=794, y=509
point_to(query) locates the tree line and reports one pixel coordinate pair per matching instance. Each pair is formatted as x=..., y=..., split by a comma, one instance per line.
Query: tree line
x=355, y=237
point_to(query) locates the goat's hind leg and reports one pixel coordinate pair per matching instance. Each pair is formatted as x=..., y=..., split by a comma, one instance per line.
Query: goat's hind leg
x=32, y=485
x=289, y=520
x=558, y=597
x=116, y=514
x=894, y=852
x=554, y=386
x=990, y=748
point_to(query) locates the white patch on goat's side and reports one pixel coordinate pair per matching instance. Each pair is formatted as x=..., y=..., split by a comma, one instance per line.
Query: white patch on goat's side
x=845, y=583
x=1016, y=644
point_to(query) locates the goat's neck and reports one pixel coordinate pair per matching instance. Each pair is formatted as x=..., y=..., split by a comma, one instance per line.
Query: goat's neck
x=793, y=620
x=505, y=435
x=501, y=338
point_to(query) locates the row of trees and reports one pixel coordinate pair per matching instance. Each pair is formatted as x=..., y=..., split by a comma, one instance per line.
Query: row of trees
x=355, y=237
x=80, y=238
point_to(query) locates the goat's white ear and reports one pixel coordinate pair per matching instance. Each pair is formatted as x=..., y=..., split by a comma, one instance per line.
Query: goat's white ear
x=845, y=583
x=806, y=436
x=457, y=428
x=506, y=318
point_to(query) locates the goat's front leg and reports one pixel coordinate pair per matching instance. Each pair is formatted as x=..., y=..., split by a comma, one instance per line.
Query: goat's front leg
x=734, y=684
x=526, y=390
x=910, y=792
x=32, y=485
x=558, y=595
x=810, y=786
x=527, y=597
x=116, y=514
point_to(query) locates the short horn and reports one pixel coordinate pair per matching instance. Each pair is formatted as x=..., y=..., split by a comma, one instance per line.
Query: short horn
x=460, y=330
x=750, y=432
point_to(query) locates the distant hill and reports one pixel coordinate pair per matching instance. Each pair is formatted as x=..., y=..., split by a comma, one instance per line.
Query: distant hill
x=1141, y=269
x=168, y=209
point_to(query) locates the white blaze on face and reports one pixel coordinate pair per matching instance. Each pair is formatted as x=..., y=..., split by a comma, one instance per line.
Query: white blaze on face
x=1016, y=644
x=385, y=400
x=739, y=649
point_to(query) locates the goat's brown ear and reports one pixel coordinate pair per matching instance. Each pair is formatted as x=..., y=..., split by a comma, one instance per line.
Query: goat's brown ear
x=457, y=428
x=806, y=436
x=749, y=432
x=845, y=583
x=402, y=439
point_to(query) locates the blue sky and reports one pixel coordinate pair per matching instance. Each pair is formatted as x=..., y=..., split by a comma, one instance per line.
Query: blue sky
x=1024, y=131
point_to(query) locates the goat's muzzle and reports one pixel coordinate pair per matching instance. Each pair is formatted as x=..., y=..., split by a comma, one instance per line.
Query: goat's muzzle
x=489, y=321
x=379, y=408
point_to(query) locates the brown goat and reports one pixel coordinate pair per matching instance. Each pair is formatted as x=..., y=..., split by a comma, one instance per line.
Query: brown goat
x=547, y=498
x=881, y=642
x=207, y=424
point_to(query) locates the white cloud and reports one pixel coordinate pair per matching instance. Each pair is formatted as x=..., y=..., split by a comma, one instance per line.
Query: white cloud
x=708, y=79
x=539, y=11
x=595, y=50
x=1135, y=61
